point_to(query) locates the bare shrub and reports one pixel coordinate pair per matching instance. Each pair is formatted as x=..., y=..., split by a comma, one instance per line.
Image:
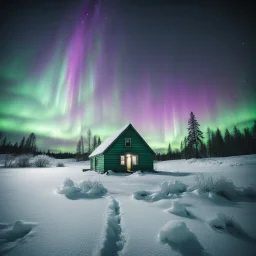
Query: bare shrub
x=220, y=186
x=23, y=161
x=8, y=160
x=60, y=164
x=42, y=161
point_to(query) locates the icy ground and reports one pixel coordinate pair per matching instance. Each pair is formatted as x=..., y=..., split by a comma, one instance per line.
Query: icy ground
x=64, y=211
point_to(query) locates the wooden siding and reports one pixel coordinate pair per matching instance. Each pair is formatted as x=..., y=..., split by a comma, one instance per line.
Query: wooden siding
x=138, y=147
x=97, y=163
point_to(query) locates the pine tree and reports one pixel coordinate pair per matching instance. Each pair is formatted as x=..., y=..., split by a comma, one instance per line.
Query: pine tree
x=254, y=137
x=182, y=150
x=81, y=145
x=99, y=141
x=30, y=145
x=22, y=145
x=169, y=152
x=186, y=147
x=89, y=140
x=209, y=142
x=237, y=141
x=203, y=150
x=228, y=139
x=78, y=150
x=195, y=135
x=254, y=130
x=219, y=143
x=248, y=142
x=94, y=144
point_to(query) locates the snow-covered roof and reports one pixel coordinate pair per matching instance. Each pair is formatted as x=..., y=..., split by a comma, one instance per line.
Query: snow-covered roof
x=107, y=142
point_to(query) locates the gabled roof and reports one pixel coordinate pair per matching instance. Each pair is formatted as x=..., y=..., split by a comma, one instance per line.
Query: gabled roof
x=110, y=140
x=107, y=142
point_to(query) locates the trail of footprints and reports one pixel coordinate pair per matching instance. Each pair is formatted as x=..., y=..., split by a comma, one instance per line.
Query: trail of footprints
x=114, y=237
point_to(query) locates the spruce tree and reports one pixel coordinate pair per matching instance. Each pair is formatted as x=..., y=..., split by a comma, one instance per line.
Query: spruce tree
x=169, y=152
x=182, y=149
x=247, y=142
x=254, y=137
x=209, y=142
x=22, y=145
x=186, y=147
x=237, y=141
x=94, y=144
x=219, y=143
x=89, y=140
x=228, y=139
x=99, y=141
x=81, y=145
x=195, y=135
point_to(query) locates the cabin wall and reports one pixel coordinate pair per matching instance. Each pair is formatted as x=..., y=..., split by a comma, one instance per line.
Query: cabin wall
x=138, y=147
x=97, y=163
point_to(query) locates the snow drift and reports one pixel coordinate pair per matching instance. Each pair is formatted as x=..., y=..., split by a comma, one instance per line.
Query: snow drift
x=178, y=209
x=10, y=235
x=168, y=190
x=175, y=232
x=83, y=189
x=177, y=235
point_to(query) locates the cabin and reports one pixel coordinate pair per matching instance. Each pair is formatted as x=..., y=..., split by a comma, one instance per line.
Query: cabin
x=124, y=151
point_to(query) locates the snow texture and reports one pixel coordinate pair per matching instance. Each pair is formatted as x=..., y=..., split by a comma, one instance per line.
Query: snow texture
x=124, y=226
x=107, y=142
x=10, y=235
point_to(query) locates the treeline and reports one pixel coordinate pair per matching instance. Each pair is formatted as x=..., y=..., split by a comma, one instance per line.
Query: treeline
x=27, y=146
x=215, y=144
x=86, y=145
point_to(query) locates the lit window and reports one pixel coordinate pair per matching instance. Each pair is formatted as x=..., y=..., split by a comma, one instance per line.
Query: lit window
x=122, y=160
x=134, y=160
x=127, y=142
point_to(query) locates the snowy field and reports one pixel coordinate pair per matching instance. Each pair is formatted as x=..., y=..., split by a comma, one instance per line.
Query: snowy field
x=174, y=212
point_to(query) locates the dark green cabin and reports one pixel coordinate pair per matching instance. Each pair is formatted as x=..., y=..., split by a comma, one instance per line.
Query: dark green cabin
x=124, y=151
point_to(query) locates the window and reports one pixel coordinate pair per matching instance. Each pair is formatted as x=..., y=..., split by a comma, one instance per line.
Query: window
x=127, y=142
x=122, y=160
x=134, y=160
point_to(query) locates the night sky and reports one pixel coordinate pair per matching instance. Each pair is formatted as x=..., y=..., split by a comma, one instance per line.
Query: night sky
x=66, y=66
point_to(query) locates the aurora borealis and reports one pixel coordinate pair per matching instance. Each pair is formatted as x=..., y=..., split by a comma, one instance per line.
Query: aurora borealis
x=103, y=64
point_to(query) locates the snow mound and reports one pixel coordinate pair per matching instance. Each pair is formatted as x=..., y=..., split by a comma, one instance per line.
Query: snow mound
x=137, y=174
x=10, y=235
x=173, y=187
x=174, y=232
x=83, y=189
x=178, y=209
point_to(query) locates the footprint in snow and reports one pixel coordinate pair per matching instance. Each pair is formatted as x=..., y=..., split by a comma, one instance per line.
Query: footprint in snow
x=10, y=235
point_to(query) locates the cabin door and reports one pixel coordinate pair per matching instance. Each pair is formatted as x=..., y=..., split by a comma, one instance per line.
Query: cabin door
x=129, y=162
